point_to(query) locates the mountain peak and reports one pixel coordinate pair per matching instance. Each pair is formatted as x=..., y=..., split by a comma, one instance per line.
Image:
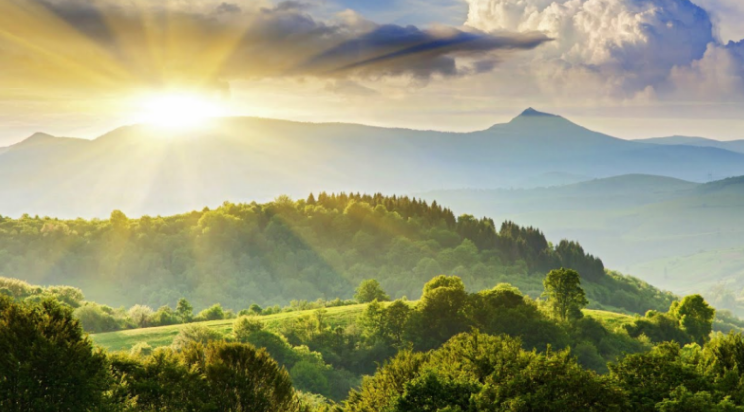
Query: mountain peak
x=36, y=138
x=530, y=112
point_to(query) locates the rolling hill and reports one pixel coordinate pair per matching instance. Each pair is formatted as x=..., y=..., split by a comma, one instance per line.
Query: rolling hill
x=143, y=169
x=731, y=145
x=631, y=221
x=340, y=316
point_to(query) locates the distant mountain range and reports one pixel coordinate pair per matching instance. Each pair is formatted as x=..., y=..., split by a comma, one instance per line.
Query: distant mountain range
x=635, y=222
x=731, y=145
x=143, y=169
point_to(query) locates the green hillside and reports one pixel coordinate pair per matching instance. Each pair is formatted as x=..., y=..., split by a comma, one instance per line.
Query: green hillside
x=316, y=248
x=633, y=222
x=340, y=316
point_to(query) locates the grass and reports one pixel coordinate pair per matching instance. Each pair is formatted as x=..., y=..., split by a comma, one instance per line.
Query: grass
x=610, y=320
x=164, y=335
x=339, y=316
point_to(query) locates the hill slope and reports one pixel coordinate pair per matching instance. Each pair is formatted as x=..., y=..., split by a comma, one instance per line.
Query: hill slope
x=628, y=220
x=731, y=145
x=148, y=170
x=272, y=253
x=340, y=316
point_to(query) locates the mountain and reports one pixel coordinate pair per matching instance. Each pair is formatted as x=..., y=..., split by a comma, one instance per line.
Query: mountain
x=632, y=221
x=731, y=145
x=143, y=169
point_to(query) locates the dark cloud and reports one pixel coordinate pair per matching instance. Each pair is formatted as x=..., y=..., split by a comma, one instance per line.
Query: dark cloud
x=228, y=8
x=392, y=50
x=291, y=6
x=236, y=40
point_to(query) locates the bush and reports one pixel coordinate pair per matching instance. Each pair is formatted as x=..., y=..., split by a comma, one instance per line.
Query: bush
x=310, y=377
x=213, y=312
x=245, y=326
x=140, y=315
x=163, y=317
x=195, y=333
x=95, y=319
x=47, y=361
x=141, y=349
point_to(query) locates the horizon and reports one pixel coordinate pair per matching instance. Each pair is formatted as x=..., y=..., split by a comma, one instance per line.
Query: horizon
x=307, y=121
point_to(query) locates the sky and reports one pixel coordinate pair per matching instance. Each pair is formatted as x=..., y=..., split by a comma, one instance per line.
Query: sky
x=629, y=68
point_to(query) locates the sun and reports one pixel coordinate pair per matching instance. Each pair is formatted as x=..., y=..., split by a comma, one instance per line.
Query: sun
x=179, y=110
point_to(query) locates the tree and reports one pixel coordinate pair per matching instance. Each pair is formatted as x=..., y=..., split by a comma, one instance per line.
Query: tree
x=648, y=378
x=682, y=400
x=213, y=312
x=370, y=290
x=184, y=310
x=47, y=363
x=441, y=312
x=244, y=326
x=119, y=221
x=195, y=333
x=255, y=309
x=695, y=316
x=140, y=315
x=565, y=296
x=243, y=378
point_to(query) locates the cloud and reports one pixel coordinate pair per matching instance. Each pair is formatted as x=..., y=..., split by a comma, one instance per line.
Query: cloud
x=396, y=50
x=78, y=44
x=727, y=16
x=619, y=50
x=717, y=77
x=349, y=88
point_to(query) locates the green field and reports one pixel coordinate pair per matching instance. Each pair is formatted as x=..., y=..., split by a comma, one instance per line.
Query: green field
x=164, y=335
x=338, y=316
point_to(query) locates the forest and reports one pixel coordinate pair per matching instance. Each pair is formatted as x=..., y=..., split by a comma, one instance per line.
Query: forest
x=505, y=320
x=315, y=248
x=492, y=350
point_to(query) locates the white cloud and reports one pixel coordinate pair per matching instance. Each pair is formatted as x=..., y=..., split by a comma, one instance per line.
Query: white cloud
x=718, y=76
x=604, y=49
x=727, y=17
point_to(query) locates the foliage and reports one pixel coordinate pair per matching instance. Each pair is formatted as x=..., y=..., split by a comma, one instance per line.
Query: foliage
x=295, y=250
x=244, y=326
x=98, y=318
x=565, y=296
x=477, y=372
x=214, y=312
x=195, y=333
x=140, y=315
x=370, y=290
x=504, y=354
x=184, y=310
x=47, y=362
x=687, y=321
x=217, y=377
x=695, y=316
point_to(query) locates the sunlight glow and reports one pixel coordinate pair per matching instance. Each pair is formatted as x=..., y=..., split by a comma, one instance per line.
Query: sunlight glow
x=179, y=110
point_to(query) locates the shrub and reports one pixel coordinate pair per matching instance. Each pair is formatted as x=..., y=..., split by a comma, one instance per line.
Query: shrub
x=140, y=315
x=95, y=319
x=244, y=326
x=195, y=333
x=141, y=349
x=213, y=312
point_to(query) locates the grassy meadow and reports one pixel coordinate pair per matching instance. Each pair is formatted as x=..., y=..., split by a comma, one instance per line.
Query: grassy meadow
x=339, y=316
